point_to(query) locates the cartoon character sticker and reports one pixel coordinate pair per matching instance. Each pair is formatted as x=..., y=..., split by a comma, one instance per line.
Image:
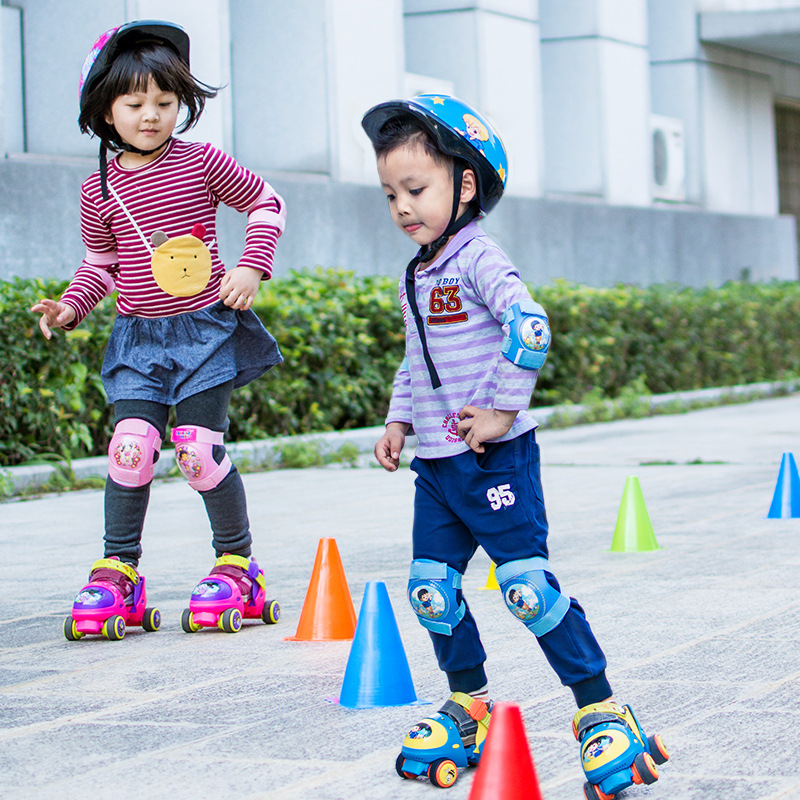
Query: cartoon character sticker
x=522, y=601
x=420, y=731
x=535, y=333
x=128, y=453
x=210, y=589
x=476, y=131
x=93, y=596
x=595, y=749
x=428, y=601
x=189, y=462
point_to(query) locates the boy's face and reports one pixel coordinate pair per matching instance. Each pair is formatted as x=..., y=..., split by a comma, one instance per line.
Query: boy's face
x=419, y=191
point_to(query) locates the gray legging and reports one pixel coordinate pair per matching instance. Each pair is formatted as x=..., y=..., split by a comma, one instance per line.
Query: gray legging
x=226, y=504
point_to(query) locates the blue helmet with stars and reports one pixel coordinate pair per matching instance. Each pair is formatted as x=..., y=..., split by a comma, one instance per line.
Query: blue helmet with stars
x=458, y=131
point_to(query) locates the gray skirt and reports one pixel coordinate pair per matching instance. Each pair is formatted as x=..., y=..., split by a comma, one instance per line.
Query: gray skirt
x=167, y=359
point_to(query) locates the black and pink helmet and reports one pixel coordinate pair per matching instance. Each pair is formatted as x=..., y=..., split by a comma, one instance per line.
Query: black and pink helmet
x=98, y=62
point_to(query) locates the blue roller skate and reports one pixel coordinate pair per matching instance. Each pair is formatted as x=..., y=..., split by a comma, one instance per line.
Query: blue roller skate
x=615, y=751
x=441, y=744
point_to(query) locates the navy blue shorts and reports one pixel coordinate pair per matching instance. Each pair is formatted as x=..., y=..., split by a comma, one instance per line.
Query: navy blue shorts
x=492, y=499
x=495, y=500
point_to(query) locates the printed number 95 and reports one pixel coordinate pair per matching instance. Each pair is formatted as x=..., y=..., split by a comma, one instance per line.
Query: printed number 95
x=499, y=496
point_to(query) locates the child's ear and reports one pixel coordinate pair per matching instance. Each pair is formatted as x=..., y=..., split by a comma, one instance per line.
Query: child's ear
x=469, y=186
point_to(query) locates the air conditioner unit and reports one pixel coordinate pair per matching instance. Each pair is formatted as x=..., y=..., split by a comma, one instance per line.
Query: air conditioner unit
x=669, y=159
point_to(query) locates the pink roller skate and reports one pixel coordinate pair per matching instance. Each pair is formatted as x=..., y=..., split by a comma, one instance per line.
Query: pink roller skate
x=235, y=590
x=114, y=597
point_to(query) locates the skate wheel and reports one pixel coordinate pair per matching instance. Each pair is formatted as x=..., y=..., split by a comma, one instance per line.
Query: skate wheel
x=271, y=612
x=398, y=765
x=187, y=622
x=152, y=619
x=591, y=792
x=71, y=631
x=230, y=620
x=114, y=628
x=443, y=773
x=644, y=769
x=658, y=751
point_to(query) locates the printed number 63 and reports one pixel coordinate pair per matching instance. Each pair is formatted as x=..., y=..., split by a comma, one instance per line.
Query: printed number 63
x=499, y=496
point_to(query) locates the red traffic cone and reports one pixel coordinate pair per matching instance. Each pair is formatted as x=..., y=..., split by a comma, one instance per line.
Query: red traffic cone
x=506, y=771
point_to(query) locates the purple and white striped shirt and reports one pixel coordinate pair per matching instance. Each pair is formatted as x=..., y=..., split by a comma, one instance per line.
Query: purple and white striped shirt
x=180, y=188
x=462, y=296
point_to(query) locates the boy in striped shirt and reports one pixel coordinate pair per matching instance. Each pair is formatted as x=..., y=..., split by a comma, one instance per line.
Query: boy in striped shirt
x=474, y=343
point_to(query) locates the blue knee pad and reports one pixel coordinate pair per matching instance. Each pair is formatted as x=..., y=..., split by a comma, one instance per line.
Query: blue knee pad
x=432, y=587
x=529, y=596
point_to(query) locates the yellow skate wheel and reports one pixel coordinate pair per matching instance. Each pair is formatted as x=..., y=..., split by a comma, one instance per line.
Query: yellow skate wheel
x=271, y=612
x=71, y=631
x=152, y=619
x=443, y=773
x=644, y=769
x=187, y=622
x=114, y=628
x=230, y=620
x=657, y=749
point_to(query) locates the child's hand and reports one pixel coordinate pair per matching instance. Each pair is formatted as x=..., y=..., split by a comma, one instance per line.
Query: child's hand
x=54, y=315
x=478, y=425
x=390, y=445
x=239, y=287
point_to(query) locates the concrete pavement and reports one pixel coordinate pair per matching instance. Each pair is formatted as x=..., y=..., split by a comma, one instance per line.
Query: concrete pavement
x=702, y=636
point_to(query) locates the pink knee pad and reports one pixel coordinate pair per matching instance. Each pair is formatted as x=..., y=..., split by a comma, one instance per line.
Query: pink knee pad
x=132, y=452
x=194, y=448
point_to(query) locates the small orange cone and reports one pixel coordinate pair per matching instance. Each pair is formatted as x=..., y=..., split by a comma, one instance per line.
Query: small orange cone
x=505, y=771
x=328, y=613
x=491, y=580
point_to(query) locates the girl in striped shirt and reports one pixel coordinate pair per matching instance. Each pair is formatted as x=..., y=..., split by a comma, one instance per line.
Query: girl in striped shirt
x=185, y=334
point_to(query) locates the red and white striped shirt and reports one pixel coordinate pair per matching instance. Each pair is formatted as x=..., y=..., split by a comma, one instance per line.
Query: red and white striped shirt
x=180, y=188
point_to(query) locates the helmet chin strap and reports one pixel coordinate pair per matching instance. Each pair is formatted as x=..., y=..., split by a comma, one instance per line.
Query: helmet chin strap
x=426, y=254
x=128, y=148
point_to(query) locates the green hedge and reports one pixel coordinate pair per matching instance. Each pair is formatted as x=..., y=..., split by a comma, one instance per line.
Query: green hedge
x=342, y=338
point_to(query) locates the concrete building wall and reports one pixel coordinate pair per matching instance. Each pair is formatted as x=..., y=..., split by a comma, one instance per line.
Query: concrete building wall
x=571, y=84
x=596, y=99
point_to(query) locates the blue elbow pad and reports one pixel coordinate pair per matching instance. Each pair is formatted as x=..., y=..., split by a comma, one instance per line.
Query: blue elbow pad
x=528, y=338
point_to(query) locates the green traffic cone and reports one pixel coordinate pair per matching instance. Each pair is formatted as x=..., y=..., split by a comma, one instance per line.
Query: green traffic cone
x=634, y=531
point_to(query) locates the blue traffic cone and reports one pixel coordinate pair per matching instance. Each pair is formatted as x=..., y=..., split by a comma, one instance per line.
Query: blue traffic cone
x=377, y=672
x=786, y=499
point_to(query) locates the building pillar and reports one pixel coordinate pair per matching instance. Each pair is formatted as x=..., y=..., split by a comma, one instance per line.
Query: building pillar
x=317, y=66
x=488, y=50
x=12, y=119
x=596, y=99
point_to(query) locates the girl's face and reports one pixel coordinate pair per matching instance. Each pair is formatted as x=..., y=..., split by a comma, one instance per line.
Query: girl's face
x=145, y=120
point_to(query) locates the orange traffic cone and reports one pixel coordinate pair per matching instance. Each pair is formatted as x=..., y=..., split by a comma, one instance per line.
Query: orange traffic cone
x=328, y=613
x=505, y=771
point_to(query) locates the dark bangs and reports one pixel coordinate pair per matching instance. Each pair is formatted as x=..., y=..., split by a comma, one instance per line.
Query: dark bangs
x=130, y=72
x=406, y=130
